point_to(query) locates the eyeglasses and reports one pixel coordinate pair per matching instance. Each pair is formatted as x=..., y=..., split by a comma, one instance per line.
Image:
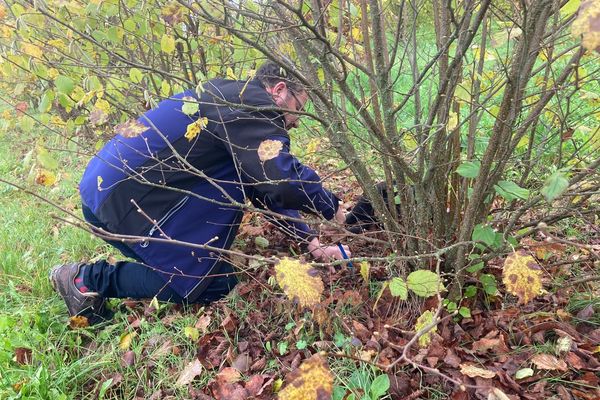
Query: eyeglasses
x=299, y=105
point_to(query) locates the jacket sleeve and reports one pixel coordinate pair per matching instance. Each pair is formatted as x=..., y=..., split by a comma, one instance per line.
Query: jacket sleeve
x=295, y=229
x=259, y=146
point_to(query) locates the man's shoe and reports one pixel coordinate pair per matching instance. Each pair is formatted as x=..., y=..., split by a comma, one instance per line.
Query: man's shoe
x=89, y=304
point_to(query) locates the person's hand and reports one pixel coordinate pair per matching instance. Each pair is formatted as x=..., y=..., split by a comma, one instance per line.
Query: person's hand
x=340, y=215
x=326, y=253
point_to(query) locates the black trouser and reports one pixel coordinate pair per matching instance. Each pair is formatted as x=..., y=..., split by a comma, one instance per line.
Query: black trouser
x=139, y=281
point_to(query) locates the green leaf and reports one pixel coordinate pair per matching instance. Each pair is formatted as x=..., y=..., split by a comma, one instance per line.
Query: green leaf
x=524, y=373
x=451, y=306
x=380, y=386
x=469, y=169
x=135, y=75
x=465, y=312
x=555, y=185
x=424, y=283
x=261, y=242
x=476, y=267
x=282, y=348
x=510, y=190
x=46, y=101
x=105, y=385
x=484, y=233
x=470, y=291
x=64, y=84
x=301, y=344
x=489, y=284
x=569, y=9
x=165, y=88
x=398, y=288
x=190, y=105
x=46, y=160
x=167, y=43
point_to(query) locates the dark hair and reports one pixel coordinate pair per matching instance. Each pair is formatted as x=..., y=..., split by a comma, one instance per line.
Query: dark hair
x=270, y=74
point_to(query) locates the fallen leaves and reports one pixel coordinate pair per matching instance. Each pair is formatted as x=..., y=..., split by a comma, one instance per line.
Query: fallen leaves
x=192, y=370
x=548, y=362
x=299, y=281
x=473, y=371
x=312, y=380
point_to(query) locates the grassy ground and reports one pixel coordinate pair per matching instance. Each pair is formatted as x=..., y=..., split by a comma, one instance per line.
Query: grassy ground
x=143, y=351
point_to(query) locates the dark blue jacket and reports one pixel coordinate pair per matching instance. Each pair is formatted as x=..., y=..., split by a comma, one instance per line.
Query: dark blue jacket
x=191, y=187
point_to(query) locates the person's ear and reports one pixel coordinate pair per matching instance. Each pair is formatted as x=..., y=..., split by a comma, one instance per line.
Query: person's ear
x=279, y=87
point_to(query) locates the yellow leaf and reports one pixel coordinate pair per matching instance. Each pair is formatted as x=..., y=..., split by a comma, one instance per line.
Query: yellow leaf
x=230, y=74
x=570, y=8
x=53, y=73
x=45, y=178
x=523, y=142
x=472, y=371
x=154, y=303
x=364, y=271
x=102, y=105
x=100, y=180
x=452, y=121
x=312, y=145
x=522, y=276
x=269, y=149
x=277, y=385
x=32, y=50
x=130, y=129
x=191, y=332
x=2, y=12
x=587, y=25
x=125, y=340
x=299, y=281
x=165, y=88
x=173, y=13
x=195, y=127
x=425, y=319
x=357, y=34
x=312, y=380
x=167, y=43
x=78, y=321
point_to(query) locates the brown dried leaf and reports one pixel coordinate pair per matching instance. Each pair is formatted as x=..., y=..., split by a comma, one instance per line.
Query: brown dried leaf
x=548, y=362
x=229, y=375
x=472, y=371
x=312, y=380
x=192, y=370
x=128, y=359
x=23, y=355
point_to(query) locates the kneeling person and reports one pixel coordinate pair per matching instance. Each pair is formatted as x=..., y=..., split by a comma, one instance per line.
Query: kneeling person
x=170, y=187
